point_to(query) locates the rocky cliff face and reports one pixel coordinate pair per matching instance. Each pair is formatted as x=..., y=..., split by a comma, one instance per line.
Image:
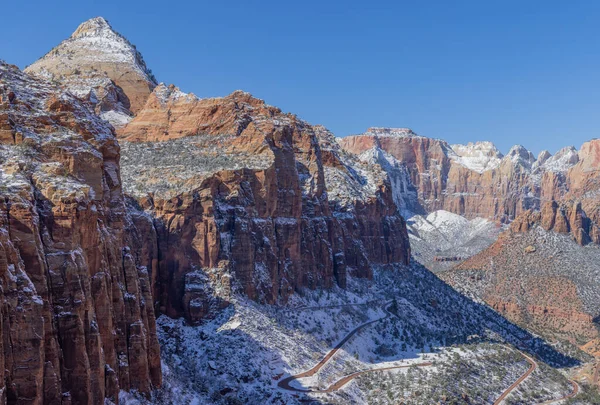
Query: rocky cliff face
x=247, y=197
x=534, y=274
x=225, y=195
x=99, y=65
x=583, y=183
x=562, y=218
x=472, y=180
x=576, y=210
x=77, y=320
x=476, y=180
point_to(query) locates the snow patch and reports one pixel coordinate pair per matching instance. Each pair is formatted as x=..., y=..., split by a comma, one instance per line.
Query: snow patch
x=116, y=118
x=561, y=162
x=478, y=156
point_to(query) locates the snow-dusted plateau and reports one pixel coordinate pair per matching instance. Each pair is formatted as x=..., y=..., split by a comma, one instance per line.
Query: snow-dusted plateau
x=159, y=247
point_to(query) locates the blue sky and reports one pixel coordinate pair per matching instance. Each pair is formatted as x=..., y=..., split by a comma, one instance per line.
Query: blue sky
x=513, y=72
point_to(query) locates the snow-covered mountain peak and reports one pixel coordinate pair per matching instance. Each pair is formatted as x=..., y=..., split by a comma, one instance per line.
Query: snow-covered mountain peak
x=478, y=156
x=520, y=156
x=562, y=161
x=542, y=157
x=481, y=147
x=94, y=42
x=99, y=65
x=519, y=150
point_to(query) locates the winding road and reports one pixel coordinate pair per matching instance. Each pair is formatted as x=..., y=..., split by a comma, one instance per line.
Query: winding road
x=286, y=382
x=571, y=395
x=532, y=366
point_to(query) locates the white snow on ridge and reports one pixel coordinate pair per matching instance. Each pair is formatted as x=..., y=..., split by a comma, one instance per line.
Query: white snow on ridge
x=478, y=156
x=483, y=156
x=166, y=94
x=404, y=193
x=520, y=156
x=562, y=161
x=446, y=234
x=97, y=41
x=383, y=131
x=446, y=227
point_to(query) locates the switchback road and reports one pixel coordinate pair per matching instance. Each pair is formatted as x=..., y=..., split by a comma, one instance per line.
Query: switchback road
x=286, y=382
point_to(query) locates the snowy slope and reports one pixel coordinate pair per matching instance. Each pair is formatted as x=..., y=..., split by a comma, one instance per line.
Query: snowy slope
x=444, y=234
x=350, y=179
x=95, y=42
x=479, y=156
x=242, y=354
x=560, y=162
x=403, y=191
x=397, y=132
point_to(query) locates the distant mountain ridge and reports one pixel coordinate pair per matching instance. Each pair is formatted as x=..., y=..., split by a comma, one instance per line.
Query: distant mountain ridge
x=476, y=180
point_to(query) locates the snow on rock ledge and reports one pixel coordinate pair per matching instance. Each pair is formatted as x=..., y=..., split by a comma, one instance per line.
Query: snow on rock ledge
x=479, y=156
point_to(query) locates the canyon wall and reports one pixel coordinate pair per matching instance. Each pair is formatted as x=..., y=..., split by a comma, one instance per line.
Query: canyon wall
x=77, y=320
x=247, y=197
x=476, y=180
x=202, y=199
x=535, y=274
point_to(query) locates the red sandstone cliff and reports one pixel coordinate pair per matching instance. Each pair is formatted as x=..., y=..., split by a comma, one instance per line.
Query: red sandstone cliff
x=247, y=197
x=476, y=180
x=232, y=195
x=77, y=321
x=534, y=275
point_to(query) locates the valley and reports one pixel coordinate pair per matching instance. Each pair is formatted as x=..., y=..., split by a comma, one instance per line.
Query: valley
x=158, y=247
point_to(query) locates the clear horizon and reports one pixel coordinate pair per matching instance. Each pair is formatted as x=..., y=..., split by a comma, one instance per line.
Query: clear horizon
x=511, y=74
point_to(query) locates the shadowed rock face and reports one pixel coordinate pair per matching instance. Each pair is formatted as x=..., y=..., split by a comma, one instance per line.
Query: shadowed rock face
x=77, y=320
x=99, y=65
x=255, y=199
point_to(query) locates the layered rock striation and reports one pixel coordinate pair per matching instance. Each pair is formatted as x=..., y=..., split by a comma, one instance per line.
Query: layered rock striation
x=247, y=197
x=77, y=319
x=534, y=274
